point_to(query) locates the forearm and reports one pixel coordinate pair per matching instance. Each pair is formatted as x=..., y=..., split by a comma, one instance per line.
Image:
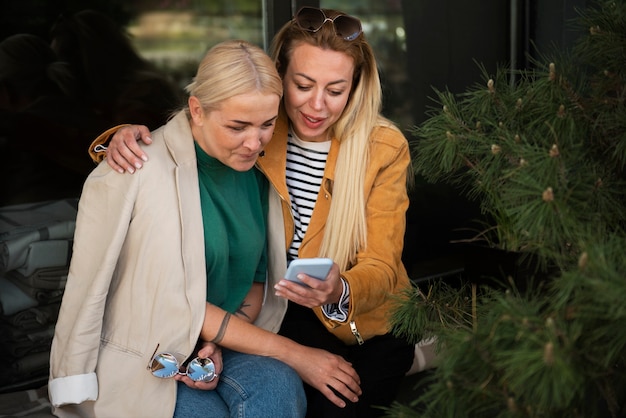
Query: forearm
x=239, y=335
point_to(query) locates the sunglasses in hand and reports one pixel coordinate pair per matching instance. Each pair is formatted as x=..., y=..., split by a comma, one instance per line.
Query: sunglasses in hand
x=166, y=365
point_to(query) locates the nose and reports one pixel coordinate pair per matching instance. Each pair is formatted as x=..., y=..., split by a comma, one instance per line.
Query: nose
x=317, y=99
x=253, y=142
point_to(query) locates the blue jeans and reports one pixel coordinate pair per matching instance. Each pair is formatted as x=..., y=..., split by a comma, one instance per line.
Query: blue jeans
x=249, y=387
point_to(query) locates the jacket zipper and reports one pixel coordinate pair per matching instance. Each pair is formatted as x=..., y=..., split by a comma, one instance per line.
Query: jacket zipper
x=356, y=333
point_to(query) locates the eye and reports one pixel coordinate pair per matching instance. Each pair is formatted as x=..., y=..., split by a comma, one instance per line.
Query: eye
x=267, y=125
x=335, y=92
x=303, y=88
x=237, y=128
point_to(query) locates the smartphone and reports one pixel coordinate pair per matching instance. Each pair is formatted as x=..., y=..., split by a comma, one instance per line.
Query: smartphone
x=314, y=267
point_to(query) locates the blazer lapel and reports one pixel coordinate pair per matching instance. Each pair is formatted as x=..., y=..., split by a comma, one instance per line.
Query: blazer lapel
x=179, y=141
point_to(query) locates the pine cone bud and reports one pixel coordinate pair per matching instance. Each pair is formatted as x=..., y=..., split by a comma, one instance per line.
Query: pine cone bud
x=511, y=405
x=548, y=353
x=561, y=112
x=495, y=149
x=548, y=195
x=517, y=139
x=490, y=86
x=582, y=260
x=554, y=151
x=552, y=75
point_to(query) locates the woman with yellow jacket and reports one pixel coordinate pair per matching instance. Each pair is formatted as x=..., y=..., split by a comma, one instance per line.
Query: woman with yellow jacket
x=339, y=173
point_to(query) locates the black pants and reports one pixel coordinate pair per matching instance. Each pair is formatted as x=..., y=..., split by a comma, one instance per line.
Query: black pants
x=381, y=364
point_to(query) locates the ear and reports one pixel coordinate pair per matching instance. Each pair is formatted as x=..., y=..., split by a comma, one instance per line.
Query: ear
x=196, y=111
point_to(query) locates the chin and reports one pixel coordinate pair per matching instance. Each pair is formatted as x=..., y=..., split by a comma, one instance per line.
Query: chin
x=307, y=133
x=243, y=166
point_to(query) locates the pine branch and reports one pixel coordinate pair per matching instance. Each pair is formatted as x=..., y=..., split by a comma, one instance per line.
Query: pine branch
x=546, y=159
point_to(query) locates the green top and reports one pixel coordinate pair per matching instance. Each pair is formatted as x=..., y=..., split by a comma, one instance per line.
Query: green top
x=234, y=212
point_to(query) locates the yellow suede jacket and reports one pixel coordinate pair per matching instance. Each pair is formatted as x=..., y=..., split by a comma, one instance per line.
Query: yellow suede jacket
x=378, y=275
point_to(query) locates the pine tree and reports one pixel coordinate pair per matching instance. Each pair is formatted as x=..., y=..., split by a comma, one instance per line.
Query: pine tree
x=543, y=151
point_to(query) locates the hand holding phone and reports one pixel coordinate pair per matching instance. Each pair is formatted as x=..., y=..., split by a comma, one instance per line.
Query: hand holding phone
x=317, y=268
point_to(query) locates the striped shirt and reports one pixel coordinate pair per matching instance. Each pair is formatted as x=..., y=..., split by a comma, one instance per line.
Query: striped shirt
x=305, y=170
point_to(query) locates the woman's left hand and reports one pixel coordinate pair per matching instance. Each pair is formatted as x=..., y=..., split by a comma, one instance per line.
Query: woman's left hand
x=214, y=352
x=316, y=292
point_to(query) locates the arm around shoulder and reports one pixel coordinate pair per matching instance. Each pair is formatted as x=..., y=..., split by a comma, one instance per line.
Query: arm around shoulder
x=123, y=152
x=97, y=149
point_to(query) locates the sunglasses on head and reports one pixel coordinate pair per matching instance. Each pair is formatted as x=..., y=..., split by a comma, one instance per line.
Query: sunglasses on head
x=166, y=365
x=312, y=19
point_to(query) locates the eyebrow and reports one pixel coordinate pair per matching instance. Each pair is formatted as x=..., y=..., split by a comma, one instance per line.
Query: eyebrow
x=314, y=81
x=245, y=122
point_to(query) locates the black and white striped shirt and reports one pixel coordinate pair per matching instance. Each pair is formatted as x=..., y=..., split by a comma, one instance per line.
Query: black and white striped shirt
x=305, y=170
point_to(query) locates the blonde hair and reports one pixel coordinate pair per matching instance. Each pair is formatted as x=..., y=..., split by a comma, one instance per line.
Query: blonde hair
x=346, y=225
x=232, y=68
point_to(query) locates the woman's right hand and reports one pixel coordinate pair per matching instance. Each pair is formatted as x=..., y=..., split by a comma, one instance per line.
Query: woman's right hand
x=124, y=152
x=323, y=371
x=214, y=352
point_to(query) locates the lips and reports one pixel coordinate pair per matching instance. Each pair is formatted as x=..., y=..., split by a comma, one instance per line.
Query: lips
x=248, y=157
x=311, y=122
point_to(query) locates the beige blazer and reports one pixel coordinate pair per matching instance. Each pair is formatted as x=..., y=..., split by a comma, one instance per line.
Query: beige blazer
x=137, y=279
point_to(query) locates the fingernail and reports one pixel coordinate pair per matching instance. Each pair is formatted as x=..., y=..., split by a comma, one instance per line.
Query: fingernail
x=144, y=157
x=131, y=170
x=138, y=165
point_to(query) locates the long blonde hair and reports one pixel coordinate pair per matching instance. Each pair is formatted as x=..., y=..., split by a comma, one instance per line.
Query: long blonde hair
x=346, y=225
